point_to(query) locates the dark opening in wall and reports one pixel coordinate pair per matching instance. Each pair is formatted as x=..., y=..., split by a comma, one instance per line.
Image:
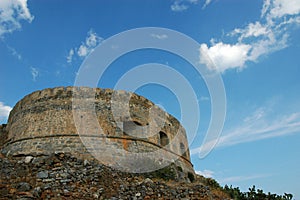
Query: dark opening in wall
x=164, y=140
x=191, y=177
x=182, y=149
x=137, y=123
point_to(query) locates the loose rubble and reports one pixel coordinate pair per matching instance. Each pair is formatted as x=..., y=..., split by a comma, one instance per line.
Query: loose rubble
x=62, y=176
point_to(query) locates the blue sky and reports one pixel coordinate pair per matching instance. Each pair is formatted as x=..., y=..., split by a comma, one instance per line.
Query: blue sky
x=252, y=44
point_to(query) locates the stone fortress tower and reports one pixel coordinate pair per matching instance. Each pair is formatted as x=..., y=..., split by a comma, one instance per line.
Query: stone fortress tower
x=131, y=133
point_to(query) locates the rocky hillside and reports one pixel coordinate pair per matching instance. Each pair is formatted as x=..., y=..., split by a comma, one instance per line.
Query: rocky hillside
x=61, y=176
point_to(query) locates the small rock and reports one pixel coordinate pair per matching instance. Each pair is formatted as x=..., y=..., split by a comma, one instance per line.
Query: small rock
x=100, y=190
x=61, y=155
x=85, y=162
x=138, y=194
x=42, y=174
x=64, y=175
x=23, y=187
x=148, y=180
x=2, y=156
x=47, y=186
x=96, y=196
x=12, y=190
x=65, y=180
x=25, y=195
x=173, y=192
x=28, y=159
x=66, y=191
x=37, y=191
x=47, y=180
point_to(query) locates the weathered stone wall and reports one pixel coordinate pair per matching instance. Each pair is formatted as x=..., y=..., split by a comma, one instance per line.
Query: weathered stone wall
x=3, y=134
x=63, y=118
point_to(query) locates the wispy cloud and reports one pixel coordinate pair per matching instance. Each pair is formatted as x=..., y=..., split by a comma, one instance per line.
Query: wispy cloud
x=34, y=73
x=70, y=56
x=86, y=47
x=4, y=111
x=160, y=37
x=178, y=6
x=234, y=179
x=270, y=33
x=91, y=41
x=206, y=3
x=14, y=52
x=204, y=98
x=182, y=5
x=257, y=126
x=12, y=12
x=206, y=173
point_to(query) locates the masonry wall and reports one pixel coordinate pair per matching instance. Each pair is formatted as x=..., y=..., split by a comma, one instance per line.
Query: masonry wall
x=3, y=134
x=63, y=118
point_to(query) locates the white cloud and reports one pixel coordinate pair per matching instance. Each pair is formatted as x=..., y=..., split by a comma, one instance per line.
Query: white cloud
x=222, y=56
x=256, y=39
x=178, y=7
x=206, y=3
x=257, y=126
x=4, y=111
x=182, y=5
x=265, y=8
x=160, y=37
x=70, y=56
x=206, y=173
x=34, y=73
x=268, y=45
x=86, y=47
x=12, y=12
x=91, y=41
x=83, y=50
x=251, y=30
x=280, y=8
